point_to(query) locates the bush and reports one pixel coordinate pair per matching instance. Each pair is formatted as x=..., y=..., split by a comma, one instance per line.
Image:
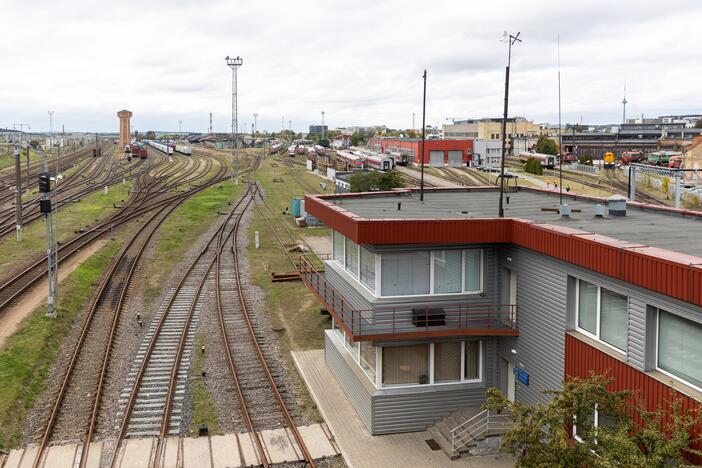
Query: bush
x=585, y=159
x=534, y=167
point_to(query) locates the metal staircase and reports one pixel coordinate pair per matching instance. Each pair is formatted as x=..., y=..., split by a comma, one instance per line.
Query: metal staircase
x=470, y=431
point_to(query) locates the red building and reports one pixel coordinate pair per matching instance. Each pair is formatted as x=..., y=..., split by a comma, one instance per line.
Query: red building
x=436, y=152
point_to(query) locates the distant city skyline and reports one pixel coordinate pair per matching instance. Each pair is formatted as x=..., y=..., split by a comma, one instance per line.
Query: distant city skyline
x=360, y=62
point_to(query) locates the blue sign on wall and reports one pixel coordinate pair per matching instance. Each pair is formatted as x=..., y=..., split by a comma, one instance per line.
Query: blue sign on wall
x=522, y=375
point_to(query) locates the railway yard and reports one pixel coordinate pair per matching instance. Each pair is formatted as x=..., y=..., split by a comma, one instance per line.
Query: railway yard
x=166, y=328
x=137, y=317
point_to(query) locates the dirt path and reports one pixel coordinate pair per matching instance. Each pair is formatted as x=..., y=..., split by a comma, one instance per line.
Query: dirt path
x=10, y=321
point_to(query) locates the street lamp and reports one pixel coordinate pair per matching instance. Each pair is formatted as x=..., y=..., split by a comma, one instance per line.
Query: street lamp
x=234, y=64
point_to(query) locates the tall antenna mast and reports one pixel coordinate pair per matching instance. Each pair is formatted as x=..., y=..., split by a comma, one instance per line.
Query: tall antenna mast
x=560, y=133
x=624, y=101
x=210, y=123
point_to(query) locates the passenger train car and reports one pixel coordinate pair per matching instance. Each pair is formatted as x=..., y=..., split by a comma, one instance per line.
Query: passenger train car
x=547, y=160
x=368, y=159
x=159, y=146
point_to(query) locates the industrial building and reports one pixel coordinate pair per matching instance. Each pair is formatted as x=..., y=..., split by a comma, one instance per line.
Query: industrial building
x=434, y=301
x=318, y=129
x=436, y=152
x=490, y=128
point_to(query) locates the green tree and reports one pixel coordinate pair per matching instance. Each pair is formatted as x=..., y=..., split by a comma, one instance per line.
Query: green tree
x=34, y=144
x=585, y=159
x=534, y=167
x=356, y=138
x=324, y=142
x=541, y=433
x=546, y=145
x=150, y=135
x=698, y=124
x=364, y=181
x=389, y=180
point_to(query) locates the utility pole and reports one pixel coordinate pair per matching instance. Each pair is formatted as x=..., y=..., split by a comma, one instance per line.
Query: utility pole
x=560, y=131
x=210, y=123
x=413, y=127
x=234, y=64
x=25, y=144
x=511, y=40
x=18, y=193
x=58, y=161
x=51, y=130
x=255, y=125
x=424, y=126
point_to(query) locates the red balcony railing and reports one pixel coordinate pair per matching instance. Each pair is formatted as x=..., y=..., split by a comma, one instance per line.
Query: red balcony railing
x=415, y=320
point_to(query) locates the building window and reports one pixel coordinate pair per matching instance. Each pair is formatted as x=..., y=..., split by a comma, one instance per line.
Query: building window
x=447, y=361
x=451, y=362
x=473, y=270
x=602, y=314
x=403, y=365
x=367, y=269
x=472, y=360
x=585, y=421
x=431, y=272
x=680, y=348
x=404, y=273
x=447, y=271
x=367, y=359
x=338, y=241
x=351, y=263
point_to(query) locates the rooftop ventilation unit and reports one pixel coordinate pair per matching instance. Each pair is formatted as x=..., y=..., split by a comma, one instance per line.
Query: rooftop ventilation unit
x=428, y=317
x=565, y=210
x=616, y=205
x=599, y=210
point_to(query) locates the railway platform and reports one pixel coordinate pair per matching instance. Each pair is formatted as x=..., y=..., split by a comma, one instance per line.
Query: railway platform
x=219, y=451
x=357, y=446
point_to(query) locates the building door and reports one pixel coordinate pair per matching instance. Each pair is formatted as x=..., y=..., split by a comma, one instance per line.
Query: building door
x=455, y=158
x=436, y=158
x=511, y=384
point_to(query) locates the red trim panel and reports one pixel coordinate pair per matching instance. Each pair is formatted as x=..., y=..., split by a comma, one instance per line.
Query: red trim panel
x=581, y=359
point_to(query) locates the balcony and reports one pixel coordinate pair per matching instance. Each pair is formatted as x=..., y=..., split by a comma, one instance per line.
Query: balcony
x=416, y=320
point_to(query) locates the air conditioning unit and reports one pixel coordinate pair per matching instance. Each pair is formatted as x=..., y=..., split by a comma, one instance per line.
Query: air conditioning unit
x=428, y=317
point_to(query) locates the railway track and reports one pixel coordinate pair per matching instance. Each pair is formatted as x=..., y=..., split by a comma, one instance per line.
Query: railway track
x=98, y=332
x=249, y=357
x=147, y=198
x=412, y=181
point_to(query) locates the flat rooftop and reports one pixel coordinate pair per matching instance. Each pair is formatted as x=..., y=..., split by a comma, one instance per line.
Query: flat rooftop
x=671, y=230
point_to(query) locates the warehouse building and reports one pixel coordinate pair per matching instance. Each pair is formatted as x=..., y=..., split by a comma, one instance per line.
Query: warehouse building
x=439, y=153
x=490, y=128
x=435, y=301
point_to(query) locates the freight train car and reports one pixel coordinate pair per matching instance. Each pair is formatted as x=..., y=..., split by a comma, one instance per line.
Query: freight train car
x=546, y=160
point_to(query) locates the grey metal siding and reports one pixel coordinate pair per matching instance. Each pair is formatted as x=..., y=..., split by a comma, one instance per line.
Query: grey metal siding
x=408, y=412
x=348, y=380
x=636, y=353
x=541, y=321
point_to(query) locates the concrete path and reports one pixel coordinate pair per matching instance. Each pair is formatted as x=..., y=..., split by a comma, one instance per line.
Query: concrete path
x=357, y=446
x=229, y=450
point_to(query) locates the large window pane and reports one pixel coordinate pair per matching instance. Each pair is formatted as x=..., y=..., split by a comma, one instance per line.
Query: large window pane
x=352, y=346
x=447, y=271
x=404, y=273
x=614, y=323
x=680, y=347
x=472, y=371
x=584, y=422
x=447, y=361
x=351, y=257
x=473, y=269
x=367, y=273
x=368, y=359
x=403, y=365
x=338, y=247
x=587, y=306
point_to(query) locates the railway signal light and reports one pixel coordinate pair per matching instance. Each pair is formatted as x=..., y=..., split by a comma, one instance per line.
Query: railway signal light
x=44, y=182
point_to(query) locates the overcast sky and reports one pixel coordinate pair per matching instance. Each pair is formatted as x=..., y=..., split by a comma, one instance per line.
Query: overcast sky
x=361, y=61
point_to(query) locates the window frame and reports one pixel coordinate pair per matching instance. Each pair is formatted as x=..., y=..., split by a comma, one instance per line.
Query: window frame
x=432, y=292
x=598, y=315
x=657, y=349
